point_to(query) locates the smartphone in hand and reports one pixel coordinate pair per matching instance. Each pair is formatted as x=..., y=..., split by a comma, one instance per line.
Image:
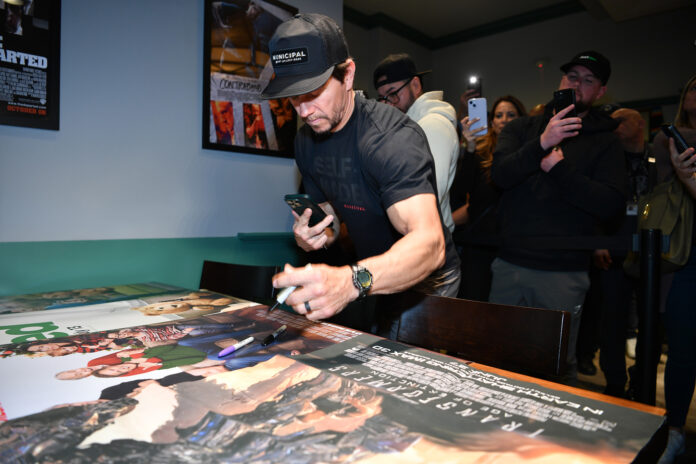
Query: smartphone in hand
x=299, y=202
x=679, y=141
x=562, y=99
x=474, y=85
x=478, y=108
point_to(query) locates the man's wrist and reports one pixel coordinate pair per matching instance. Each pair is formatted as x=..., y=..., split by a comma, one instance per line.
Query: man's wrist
x=362, y=279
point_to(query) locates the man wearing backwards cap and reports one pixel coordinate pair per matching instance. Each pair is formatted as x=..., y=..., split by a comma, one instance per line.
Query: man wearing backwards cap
x=366, y=164
x=560, y=177
x=400, y=85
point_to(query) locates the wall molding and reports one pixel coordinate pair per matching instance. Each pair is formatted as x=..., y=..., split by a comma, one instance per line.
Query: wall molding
x=433, y=43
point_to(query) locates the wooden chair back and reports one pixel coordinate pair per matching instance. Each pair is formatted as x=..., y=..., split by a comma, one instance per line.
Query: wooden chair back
x=241, y=280
x=525, y=340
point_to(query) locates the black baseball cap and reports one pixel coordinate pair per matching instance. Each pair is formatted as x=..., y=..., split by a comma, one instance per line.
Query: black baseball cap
x=304, y=51
x=393, y=68
x=595, y=62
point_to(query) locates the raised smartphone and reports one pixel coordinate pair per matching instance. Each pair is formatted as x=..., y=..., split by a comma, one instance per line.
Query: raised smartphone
x=299, y=202
x=474, y=84
x=563, y=99
x=679, y=141
x=478, y=108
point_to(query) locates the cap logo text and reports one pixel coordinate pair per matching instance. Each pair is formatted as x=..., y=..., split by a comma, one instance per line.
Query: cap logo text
x=587, y=57
x=290, y=56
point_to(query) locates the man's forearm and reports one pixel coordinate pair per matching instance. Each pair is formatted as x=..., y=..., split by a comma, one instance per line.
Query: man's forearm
x=409, y=261
x=512, y=164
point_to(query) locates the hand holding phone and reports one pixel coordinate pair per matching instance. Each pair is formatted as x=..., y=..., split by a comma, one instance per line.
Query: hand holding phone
x=563, y=99
x=565, y=123
x=474, y=87
x=679, y=141
x=682, y=163
x=299, y=202
x=478, y=108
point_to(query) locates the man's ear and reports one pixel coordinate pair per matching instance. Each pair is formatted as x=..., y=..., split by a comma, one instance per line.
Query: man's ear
x=602, y=91
x=416, y=86
x=641, y=124
x=350, y=74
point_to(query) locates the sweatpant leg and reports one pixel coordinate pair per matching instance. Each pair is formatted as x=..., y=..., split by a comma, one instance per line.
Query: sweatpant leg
x=506, y=284
x=559, y=290
x=563, y=291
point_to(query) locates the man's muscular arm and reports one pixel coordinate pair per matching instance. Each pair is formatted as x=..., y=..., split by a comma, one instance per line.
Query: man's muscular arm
x=411, y=259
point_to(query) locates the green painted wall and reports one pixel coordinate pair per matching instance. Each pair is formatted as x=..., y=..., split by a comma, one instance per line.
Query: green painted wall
x=32, y=267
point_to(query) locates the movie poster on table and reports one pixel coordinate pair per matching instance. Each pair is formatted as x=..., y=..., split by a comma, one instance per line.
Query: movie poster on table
x=361, y=400
x=39, y=375
x=33, y=326
x=30, y=63
x=236, y=70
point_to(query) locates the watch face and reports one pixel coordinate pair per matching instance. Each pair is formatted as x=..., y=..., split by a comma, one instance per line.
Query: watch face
x=365, y=279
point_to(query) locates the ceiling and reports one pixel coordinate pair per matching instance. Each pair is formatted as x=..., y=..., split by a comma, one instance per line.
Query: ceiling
x=446, y=22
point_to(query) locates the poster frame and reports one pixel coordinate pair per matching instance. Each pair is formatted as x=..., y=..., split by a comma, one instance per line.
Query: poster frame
x=252, y=76
x=45, y=116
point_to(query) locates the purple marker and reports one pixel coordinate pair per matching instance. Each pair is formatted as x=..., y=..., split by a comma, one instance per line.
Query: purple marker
x=235, y=347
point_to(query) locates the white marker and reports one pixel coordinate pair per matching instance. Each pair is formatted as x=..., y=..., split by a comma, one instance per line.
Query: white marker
x=285, y=293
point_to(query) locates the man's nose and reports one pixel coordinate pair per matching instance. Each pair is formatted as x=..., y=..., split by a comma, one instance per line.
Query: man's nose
x=304, y=110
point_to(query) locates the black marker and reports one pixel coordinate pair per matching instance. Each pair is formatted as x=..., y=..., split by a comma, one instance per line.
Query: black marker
x=274, y=336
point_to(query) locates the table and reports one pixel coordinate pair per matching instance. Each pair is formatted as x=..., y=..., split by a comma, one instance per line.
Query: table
x=321, y=393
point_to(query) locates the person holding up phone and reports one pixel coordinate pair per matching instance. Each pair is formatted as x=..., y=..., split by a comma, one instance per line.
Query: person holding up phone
x=368, y=166
x=560, y=177
x=474, y=200
x=679, y=317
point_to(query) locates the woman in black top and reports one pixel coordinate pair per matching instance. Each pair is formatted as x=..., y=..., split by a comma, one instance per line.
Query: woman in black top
x=474, y=199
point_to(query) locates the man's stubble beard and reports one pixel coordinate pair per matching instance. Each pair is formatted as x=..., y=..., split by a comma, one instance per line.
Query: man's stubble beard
x=333, y=122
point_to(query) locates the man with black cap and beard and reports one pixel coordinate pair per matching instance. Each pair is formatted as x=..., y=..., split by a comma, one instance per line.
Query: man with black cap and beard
x=560, y=176
x=400, y=85
x=368, y=166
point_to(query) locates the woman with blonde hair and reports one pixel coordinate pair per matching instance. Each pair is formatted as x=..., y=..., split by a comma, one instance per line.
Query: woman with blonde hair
x=680, y=317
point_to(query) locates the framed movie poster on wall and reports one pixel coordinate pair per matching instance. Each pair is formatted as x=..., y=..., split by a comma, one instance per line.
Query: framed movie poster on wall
x=30, y=63
x=236, y=69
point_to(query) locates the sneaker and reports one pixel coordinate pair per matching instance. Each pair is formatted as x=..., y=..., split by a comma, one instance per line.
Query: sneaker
x=676, y=446
x=631, y=347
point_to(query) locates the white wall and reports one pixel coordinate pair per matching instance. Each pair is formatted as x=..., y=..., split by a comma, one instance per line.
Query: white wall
x=651, y=57
x=127, y=161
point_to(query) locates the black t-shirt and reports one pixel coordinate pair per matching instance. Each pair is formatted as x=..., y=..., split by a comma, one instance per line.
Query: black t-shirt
x=378, y=158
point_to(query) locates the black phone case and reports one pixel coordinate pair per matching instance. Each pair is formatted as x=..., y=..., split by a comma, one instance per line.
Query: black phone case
x=562, y=99
x=300, y=202
x=679, y=141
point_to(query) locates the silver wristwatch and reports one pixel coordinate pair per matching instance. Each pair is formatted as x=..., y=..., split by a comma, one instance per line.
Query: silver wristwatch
x=362, y=279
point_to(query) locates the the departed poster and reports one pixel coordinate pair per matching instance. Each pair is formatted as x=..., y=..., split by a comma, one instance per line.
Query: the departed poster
x=29, y=63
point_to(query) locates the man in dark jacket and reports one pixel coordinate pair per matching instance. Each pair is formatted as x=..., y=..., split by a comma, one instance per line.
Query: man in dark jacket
x=560, y=176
